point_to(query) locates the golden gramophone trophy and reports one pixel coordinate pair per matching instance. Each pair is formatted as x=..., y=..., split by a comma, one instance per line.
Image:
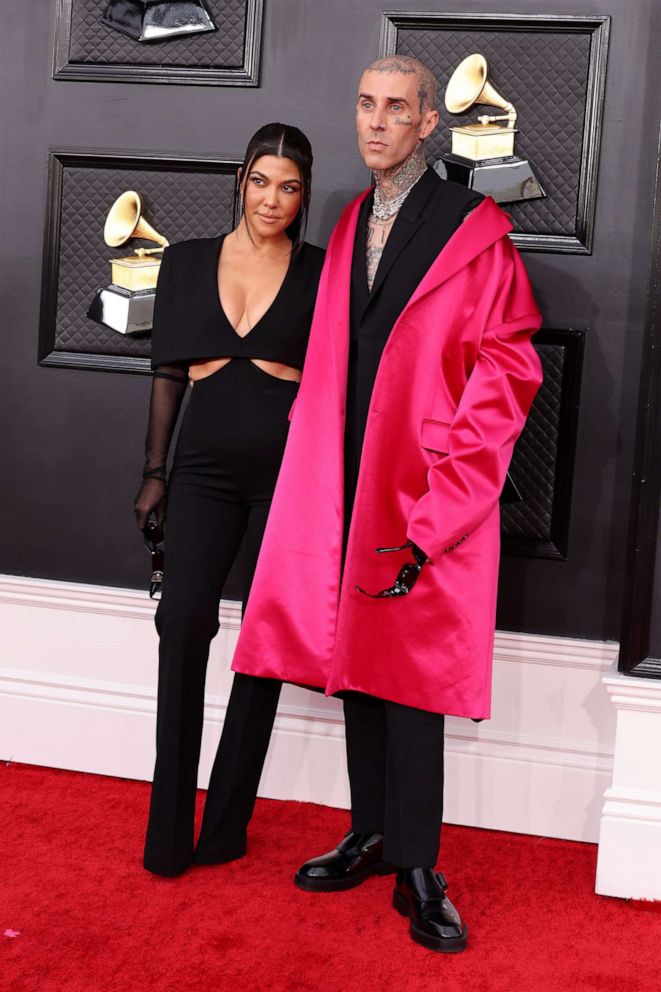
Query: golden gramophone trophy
x=127, y=305
x=482, y=156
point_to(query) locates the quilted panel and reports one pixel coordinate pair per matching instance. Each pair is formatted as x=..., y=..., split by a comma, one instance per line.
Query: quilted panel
x=544, y=74
x=94, y=43
x=179, y=205
x=535, y=459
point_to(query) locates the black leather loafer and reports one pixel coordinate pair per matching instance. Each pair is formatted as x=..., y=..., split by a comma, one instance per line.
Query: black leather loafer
x=356, y=857
x=434, y=922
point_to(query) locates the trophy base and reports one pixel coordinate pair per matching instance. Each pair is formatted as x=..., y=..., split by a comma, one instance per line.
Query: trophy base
x=481, y=141
x=157, y=20
x=122, y=310
x=135, y=273
x=508, y=179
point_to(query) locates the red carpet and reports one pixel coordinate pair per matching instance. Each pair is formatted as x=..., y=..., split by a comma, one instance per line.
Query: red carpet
x=79, y=914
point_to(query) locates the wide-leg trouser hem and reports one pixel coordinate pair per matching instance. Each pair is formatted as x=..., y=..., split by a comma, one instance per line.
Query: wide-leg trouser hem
x=395, y=762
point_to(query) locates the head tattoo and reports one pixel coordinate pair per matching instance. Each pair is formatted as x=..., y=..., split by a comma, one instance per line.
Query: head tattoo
x=406, y=65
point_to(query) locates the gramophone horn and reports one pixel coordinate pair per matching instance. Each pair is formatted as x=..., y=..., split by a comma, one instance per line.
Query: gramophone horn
x=469, y=84
x=125, y=221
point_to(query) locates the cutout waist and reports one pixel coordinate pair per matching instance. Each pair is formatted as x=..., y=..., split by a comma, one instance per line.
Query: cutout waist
x=277, y=370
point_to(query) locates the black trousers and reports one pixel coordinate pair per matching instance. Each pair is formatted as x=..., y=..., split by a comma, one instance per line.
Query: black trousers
x=225, y=468
x=394, y=752
x=395, y=760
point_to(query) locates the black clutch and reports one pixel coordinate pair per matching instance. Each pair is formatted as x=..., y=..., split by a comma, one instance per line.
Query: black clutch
x=157, y=20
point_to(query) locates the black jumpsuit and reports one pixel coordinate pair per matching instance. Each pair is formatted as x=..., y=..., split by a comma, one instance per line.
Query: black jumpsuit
x=225, y=468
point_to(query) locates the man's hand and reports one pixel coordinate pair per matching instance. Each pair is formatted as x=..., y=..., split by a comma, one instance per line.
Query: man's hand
x=407, y=575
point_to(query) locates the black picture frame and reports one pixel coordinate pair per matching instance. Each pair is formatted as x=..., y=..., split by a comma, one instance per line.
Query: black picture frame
x=572, y=344
x=68, y=68
x=59, y=161
x=579, y=241
x=641, y=584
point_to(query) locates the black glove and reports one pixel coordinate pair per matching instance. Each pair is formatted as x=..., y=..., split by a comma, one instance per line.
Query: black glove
x=167, y=392
x=407, y=575
x=150, y=499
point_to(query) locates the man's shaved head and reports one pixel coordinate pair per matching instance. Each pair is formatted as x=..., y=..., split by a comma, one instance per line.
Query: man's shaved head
x=406, y=65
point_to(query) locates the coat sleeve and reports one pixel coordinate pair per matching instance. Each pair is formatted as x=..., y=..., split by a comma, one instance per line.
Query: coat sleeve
x=464, y=486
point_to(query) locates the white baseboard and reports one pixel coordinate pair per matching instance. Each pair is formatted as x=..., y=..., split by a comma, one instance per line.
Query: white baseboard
x=629, y=862
x=78, y=690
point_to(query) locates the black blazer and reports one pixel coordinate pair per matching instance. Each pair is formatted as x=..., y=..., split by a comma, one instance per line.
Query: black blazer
x=428, y=218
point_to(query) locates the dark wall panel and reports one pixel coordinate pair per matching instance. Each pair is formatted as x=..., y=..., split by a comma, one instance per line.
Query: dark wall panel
x=72, y=440
x=655, y=632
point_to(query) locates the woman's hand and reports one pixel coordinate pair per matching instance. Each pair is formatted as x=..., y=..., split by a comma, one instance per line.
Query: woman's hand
x=150, y=499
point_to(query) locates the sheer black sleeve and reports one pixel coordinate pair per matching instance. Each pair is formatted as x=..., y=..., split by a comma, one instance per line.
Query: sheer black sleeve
x=167, y=392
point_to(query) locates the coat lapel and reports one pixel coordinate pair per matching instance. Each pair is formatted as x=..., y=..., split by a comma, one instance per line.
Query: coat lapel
x=339, y=257
x=359, y=292
x=485, y=225
x=482, y=228
x=411, y=221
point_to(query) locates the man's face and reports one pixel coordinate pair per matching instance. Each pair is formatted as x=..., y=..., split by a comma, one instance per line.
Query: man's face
x=389, y=121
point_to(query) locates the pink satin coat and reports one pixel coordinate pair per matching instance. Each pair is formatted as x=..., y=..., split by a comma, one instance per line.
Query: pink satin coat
x=454, y=386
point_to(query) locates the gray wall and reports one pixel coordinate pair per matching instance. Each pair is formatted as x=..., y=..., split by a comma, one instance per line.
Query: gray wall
x=72, y=440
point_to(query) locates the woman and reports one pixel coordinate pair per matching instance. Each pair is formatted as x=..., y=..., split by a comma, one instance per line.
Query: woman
x=233, y=315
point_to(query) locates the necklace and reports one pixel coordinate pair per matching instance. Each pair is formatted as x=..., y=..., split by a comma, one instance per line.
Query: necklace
x=384, y=211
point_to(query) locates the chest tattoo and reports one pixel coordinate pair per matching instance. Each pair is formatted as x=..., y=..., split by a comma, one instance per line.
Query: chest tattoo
x=377, y=235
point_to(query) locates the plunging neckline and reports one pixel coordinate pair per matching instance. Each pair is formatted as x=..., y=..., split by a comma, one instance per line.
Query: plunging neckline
x=219, y=299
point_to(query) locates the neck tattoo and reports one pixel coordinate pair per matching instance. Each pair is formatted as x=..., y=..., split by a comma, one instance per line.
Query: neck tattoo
x=391, y=190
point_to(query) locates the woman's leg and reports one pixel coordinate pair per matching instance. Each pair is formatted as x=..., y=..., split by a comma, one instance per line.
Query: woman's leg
x=243, y=744
x=237, y=769
x=203, y=536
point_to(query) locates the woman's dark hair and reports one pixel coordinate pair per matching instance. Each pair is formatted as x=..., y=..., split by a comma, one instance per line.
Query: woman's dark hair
x=284, y=141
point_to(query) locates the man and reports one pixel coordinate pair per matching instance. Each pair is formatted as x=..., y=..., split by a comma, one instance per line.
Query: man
x=418, y=379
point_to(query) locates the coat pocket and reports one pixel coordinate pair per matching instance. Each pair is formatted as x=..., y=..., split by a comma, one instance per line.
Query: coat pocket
x=434, y=436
